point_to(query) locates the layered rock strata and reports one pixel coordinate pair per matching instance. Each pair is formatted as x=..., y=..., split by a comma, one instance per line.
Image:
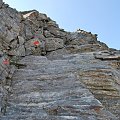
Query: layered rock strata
x=49, y=73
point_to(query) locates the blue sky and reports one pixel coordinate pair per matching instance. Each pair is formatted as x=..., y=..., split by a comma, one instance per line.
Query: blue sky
x=101, y=17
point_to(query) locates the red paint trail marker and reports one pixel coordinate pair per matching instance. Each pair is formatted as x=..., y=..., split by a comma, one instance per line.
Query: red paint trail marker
x=6, y=62
x=36, y=43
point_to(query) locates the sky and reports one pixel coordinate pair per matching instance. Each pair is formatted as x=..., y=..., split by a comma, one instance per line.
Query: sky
x=100, y=17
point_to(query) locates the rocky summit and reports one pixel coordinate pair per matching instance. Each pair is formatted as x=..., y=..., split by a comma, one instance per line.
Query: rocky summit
x=47, y=73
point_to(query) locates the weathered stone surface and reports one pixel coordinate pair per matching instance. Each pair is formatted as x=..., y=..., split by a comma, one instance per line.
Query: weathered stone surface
x=52, y=93
x=67, y=75
x=21, y=40
x=28, y=30
x=54, y=44
x=20, y=51
x=47, y=34
x=57, y=32
x=32, y=49
x=111, y=57
x=10, y=36
x=57, y=54
x=1, y=2
x=13, y=44
x=52, y=23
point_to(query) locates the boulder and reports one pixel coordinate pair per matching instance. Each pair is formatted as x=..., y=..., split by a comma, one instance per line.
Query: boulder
x=54, y=44
x=20, y=51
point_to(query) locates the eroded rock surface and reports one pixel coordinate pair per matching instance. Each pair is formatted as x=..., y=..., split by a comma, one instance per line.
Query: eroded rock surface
x=48, y=73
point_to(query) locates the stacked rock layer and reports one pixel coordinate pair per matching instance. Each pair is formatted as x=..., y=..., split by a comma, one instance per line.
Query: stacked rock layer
x=51, y=74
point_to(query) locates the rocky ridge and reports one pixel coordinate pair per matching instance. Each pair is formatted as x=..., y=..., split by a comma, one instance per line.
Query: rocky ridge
x=49, y=73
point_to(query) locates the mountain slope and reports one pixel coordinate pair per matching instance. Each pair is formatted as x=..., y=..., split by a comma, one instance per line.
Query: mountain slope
x=48, y=73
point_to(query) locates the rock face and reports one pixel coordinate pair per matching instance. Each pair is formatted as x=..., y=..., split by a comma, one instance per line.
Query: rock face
x=48, y=73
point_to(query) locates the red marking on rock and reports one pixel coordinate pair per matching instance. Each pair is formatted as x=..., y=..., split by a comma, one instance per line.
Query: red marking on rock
x=36, y=43
x=6, y=62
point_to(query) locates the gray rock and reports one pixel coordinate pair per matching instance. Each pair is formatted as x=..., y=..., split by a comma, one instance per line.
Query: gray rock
x=61, y=95
x=3, y=31
x=1, y=2
x=48, y=34
x=13, y=44
x=112, y=57
x=10, y=36
x=20, y=51
x=68, y=82
x=52, y=23
x=54, y=44
x=28, y=30
x=21, y=40
x=42, y=17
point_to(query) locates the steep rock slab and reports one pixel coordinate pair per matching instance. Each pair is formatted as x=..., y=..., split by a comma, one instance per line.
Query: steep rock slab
x=63, y=72
x=104, y=83
x=55, y=93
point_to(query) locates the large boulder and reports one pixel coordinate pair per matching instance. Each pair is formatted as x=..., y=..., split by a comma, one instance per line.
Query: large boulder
x=54, y=44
